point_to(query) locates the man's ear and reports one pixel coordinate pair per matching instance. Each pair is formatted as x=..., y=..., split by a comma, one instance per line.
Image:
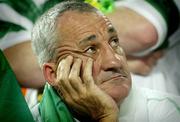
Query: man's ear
x=49, y=73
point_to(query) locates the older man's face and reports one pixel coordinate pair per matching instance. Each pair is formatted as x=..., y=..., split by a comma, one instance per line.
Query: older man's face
x=85, y=35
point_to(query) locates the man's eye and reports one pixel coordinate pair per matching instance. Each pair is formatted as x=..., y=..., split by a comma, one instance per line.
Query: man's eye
x=91, y=50
x=114, y=42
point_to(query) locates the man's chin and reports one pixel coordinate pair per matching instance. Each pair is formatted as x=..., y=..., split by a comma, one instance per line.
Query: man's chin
x=119, y=97
x=117, y=92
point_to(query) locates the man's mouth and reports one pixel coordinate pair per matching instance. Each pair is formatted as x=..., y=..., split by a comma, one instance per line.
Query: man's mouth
x=118, y=76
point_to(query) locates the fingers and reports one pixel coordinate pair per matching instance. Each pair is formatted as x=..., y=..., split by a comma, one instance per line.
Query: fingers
x=69, y=78
x=152, y=59
x=63, y=71
x=74, y=76
x=158, y=54
x=140, y=66
x=80, y=93
x=87, y=74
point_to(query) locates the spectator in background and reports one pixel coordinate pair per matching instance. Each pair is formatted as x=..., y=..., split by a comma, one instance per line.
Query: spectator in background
x=13, y=107
x=16, y=21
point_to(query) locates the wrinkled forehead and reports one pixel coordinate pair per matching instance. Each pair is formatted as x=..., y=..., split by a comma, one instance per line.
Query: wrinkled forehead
x=75, y=22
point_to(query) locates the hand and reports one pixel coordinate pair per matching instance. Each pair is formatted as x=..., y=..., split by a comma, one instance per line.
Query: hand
x=144, y=65
x=81, y=93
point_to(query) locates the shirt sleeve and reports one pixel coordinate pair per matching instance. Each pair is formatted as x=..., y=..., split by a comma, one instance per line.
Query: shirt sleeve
x=16, y=20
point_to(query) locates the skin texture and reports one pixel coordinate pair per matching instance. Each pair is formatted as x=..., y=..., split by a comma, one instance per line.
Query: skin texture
x=147, y=62
x=136, y=34
x=25, y=65
x=29, y=73
x=90, y=67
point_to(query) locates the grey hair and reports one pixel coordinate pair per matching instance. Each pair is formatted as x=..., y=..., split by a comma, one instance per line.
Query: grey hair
x=44, y=34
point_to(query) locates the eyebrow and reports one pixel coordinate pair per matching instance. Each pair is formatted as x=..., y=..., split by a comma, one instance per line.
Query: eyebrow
x=87, y=39
x=93, y=37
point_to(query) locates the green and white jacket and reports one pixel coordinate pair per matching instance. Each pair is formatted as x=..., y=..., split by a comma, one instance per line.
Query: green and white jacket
x=17, y=18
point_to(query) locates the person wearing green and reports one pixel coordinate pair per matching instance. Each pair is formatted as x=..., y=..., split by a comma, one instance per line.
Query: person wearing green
x=13, y=107
x=52, y=107
x=87, y=74
x=16, y=21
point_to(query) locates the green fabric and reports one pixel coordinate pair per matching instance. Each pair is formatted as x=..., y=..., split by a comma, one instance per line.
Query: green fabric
x=26, y=8
x=13, y=107
x=52, y=108
x=49, y=3
x=106, y=6
x=6, y=27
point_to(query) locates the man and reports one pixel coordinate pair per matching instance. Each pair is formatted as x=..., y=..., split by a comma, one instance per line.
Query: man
x=87, y=41
x=80, y=56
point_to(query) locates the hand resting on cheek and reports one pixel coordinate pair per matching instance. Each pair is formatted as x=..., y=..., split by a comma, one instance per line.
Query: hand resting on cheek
x=78, y=89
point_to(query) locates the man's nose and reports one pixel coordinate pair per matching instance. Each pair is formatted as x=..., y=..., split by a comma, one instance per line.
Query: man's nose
x=111, y=60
